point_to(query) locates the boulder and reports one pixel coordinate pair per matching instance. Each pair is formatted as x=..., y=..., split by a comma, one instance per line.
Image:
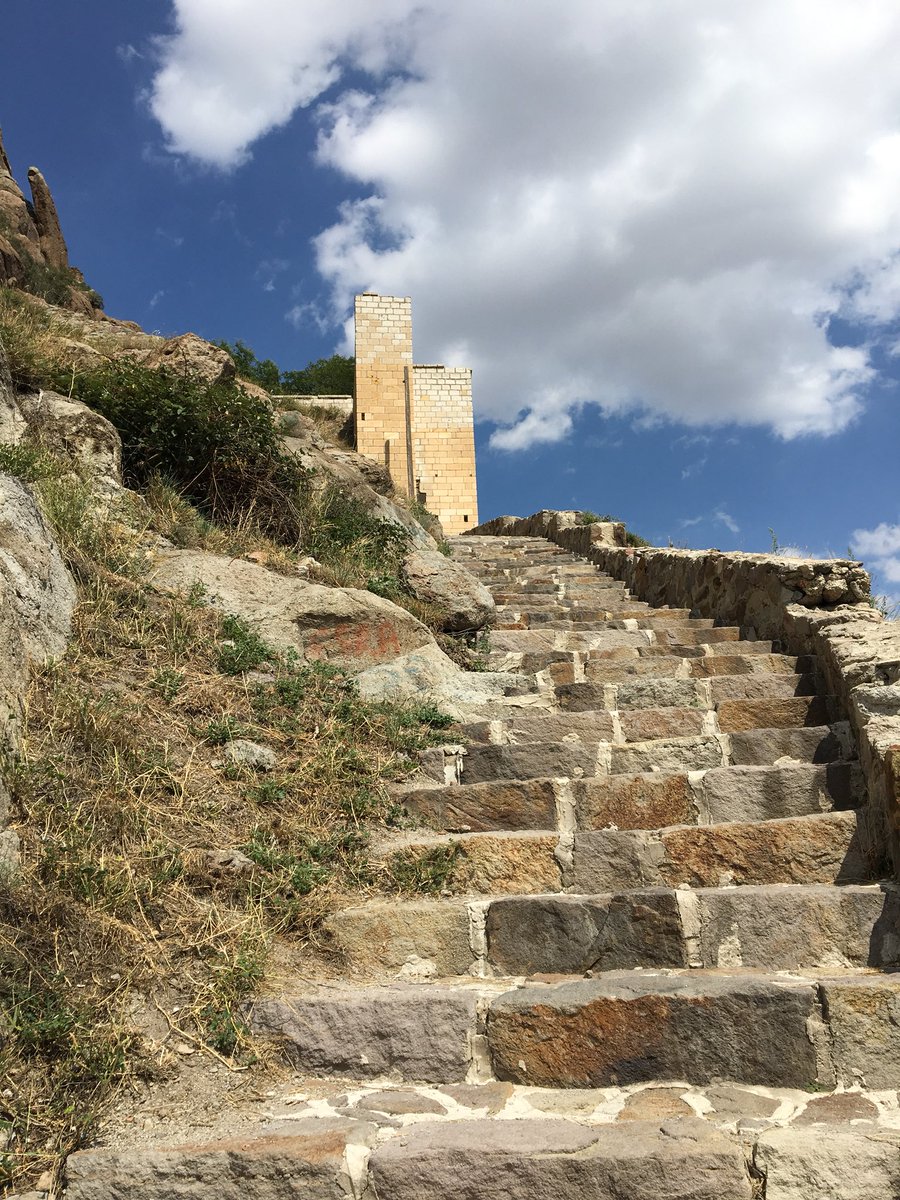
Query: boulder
x=71, y=430
x=427, y=673
x=189, y=354
x=12, y=423
x=342, y=626
x=465, y=604
x=37, y=597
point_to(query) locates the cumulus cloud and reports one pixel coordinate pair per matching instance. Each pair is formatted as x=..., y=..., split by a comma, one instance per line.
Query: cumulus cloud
x=880, y=548
x=880, y=542
x=656, y=210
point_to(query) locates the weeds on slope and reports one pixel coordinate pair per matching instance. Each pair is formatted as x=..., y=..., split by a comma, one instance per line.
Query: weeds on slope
x=158, y=867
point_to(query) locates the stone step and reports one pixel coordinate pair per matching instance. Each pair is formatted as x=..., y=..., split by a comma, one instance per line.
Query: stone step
x=782, y=927
x=601, y=670
x=601, y=619
x=771, y=926
x=594, y=667
x=566, y=573
x=614, y=643
x=643, y=800
x=751, y=747
x=646, y=740
x=666, y=638
x=809, y=1030
x=696, y=1027
x=557, y=606
x=653, y=692
x=406, y=1141
x=823, y=848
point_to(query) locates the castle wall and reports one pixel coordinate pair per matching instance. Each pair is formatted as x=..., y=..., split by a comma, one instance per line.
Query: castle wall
x=443, y=444
x=383, y=362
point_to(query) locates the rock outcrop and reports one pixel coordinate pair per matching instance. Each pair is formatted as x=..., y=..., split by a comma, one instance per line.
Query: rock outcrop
x=46, y=218
x=189, y=354
x=33, y=251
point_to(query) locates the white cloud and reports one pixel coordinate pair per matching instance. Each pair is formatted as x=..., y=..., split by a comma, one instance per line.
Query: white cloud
x=880, y=549
x=727, y=520
x=880, y=542
x=651, y=209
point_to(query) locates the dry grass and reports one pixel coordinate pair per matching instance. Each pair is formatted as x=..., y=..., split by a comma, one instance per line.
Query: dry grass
x=130, y=818
x=173, y=516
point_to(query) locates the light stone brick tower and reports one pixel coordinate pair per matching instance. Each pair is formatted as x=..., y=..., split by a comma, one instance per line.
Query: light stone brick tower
x=415, y=420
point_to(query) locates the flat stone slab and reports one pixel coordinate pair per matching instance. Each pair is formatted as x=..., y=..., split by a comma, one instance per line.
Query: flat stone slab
x=764, y=793
x=633, y=1027
x=530, y=935
x=534, y=1160
x=809, y=744
x=864, y=1019
x=502, y=804
x=836, y=1163
x=697, y=753
x=640, y=801
x=812, y=849
x=408, y=1032
x=531, y=760
x=783, y=928
x=734, y=715
x=383, y=935
x=308, y=1160
x=595, y=726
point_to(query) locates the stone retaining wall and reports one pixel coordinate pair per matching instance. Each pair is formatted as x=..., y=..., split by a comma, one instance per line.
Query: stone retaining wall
x=804, y=606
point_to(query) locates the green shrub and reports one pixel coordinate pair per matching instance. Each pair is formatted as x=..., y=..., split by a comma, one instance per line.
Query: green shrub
x=220, y=446
x=29, y=463
x=52, y=284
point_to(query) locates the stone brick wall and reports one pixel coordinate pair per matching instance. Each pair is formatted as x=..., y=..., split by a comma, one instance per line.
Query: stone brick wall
x=416, y=420
x=383, y=362
x=443, y=440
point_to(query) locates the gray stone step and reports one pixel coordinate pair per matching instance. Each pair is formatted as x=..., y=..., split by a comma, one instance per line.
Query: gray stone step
x=804, y=1030
x=775, y=701
x=655, y=692
x=537, y=1160
x=775, y=927
x=751, y=747
x=840, y=1145
x=771, y=926
x=645, y=800
x=615, y=644
x=695, y=1027
x=818, y=848
x=822, y=848
x=594, y=668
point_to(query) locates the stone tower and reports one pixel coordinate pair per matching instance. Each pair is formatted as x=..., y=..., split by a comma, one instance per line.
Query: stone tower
x=415, y=420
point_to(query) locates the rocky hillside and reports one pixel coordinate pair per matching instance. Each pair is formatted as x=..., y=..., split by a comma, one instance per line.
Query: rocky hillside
x=224, y=635
x=33, y=253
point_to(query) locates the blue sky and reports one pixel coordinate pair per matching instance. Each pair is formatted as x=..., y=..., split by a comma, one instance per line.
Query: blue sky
x=666, y=237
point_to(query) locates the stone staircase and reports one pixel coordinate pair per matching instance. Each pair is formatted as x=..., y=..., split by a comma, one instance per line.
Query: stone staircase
x=662, y=964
